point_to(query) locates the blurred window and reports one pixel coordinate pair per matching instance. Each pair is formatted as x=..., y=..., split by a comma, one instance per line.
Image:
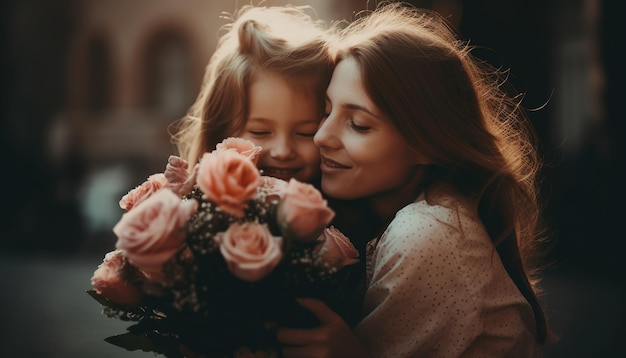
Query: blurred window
x=98, y=76
x=166, y=74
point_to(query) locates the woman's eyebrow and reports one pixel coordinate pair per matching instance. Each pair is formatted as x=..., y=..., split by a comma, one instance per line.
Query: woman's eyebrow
x=356, y=107
x=360, y=108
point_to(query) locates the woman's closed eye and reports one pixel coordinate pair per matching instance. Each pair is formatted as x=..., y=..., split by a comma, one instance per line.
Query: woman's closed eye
x=357, y=127
x=327, y=110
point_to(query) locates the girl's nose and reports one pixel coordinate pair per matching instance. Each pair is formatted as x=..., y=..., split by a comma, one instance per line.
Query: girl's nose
x=282, y=149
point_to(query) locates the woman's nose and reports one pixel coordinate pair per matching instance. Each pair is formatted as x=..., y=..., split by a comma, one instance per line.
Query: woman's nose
x=324, y=135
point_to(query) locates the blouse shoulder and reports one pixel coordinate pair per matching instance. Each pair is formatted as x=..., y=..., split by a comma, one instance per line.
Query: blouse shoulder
x=443, y=218
x=424, y=231
x=437, y=272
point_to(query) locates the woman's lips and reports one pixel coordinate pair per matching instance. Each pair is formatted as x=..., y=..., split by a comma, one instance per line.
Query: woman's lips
x=329, y=165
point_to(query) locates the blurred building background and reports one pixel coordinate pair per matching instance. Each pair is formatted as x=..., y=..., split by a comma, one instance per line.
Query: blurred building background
x=90, y=87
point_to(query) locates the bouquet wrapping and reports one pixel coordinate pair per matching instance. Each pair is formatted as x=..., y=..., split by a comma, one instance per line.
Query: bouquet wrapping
x=212, y=260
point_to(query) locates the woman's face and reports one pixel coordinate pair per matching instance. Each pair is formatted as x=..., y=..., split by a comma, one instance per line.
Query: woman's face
x=363, y=153
x=283, y=122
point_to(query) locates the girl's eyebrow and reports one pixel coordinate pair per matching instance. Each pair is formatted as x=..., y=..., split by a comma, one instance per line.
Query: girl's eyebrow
x=299, y=121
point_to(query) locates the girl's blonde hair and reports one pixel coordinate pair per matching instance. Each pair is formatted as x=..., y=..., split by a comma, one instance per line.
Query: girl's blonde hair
x=455, y=110
x=286, y=40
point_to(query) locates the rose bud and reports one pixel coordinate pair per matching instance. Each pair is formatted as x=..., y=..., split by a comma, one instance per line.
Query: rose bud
x=108, y=282
x=303, y=213
x=142, y=192
x=336, y=251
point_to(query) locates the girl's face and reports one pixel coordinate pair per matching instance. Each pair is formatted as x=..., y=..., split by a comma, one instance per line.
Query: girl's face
x=363, y=154
x=283, y=122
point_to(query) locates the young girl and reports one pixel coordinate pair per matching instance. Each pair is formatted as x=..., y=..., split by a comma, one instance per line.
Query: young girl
x=420, y=131
x=266, y=83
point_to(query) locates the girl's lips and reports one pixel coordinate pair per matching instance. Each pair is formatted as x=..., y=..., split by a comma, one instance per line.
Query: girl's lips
x=279, y=172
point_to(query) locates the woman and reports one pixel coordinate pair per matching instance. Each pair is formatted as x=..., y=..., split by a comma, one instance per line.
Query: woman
x=416, y=128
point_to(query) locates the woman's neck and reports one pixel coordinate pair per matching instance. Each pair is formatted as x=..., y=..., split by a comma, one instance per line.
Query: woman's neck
x=387, y=204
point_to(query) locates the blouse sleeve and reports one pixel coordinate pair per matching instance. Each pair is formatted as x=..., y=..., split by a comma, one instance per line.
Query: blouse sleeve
x=422, y=299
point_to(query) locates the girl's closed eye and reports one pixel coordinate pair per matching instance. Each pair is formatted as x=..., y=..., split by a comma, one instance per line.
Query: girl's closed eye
x=307, y=130
x=306, y=134
x=259, y=132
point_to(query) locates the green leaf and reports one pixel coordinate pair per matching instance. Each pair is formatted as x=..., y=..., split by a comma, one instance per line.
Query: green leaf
x=151, y=342
x=138, y=311
x=101, y=299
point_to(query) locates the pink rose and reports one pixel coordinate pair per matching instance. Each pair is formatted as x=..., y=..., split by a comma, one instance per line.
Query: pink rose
x=337, y=251
x=142, y=192
x=250, y=250
x=229, y=179
x=180, y=181
x=302, y=212
x=107, y=281
x=241, y=146
x=154, y=231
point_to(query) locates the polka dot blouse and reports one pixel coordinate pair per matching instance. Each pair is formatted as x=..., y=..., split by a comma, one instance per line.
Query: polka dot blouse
x=437, y=288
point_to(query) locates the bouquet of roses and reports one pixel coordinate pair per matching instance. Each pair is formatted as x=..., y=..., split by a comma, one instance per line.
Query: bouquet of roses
x=214, y=259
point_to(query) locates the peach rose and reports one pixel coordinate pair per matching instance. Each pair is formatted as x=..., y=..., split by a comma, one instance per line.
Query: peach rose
x=250, y=250
x=108, y=282
x=229, y=179
x=154, y=231
x=302, y=212
x=180, y=180
x=142, y=192
x=337, y=251
x=241, y=146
